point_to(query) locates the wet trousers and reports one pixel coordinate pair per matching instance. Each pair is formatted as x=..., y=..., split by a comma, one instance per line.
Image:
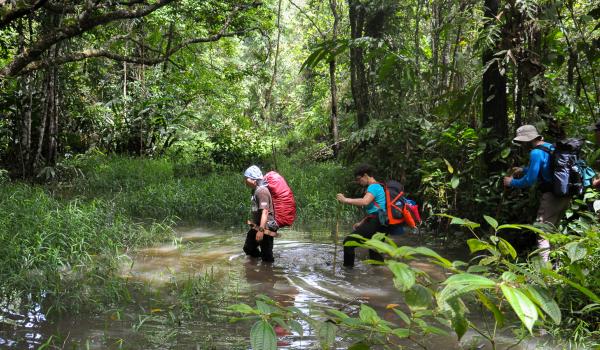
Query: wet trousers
x=266, y=246
x=367, y=229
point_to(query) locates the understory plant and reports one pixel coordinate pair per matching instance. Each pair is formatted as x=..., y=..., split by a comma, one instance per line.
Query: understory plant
x=509, y=293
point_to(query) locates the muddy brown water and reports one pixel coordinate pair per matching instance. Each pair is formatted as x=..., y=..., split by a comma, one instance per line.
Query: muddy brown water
x=307, y=274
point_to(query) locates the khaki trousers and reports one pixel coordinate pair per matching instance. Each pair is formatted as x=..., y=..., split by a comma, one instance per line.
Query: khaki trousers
x=550, y=211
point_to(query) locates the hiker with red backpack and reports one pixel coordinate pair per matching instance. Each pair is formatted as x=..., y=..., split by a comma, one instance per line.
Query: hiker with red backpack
x=263, y=219
x=373, y=201
x=273, y=207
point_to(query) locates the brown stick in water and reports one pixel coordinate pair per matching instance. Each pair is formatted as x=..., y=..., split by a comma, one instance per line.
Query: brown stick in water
x=266, y=231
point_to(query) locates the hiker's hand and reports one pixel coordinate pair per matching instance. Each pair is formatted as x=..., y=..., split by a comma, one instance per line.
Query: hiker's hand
x=596, y=182
x=259, y=236
x=507, y=181
x=341, y=198
x=516, y=171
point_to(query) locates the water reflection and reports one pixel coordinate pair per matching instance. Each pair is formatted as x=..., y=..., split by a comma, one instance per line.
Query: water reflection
x=306, y=274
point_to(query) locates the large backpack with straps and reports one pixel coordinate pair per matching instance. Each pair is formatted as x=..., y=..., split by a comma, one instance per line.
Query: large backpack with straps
x=399, y=209
x=284, y=203
x=570, y=175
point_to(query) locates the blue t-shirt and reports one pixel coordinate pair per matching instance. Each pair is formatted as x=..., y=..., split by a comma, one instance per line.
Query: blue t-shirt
x=539, y=162
x=377, y=191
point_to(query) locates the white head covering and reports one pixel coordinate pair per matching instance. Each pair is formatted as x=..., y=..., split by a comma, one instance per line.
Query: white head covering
x=253, y=173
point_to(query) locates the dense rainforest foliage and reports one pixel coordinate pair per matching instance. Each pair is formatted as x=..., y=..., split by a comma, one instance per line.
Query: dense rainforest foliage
x=134, y=104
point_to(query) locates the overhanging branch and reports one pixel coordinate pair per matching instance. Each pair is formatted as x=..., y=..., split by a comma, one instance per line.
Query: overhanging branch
x=84, y=23
x=106, y=53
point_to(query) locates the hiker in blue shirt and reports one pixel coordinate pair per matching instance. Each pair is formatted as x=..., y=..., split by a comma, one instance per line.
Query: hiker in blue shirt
x=551, y=207
x=372, y=201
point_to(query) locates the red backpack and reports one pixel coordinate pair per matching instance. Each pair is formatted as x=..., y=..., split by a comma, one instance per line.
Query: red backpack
x=284, y=203
x=399, y=209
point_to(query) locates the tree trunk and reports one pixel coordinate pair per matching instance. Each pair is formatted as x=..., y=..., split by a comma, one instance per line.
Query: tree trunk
x=417, y=40
x=334, y=131
x=358, y=79
x=269, y=92
x=495, y=114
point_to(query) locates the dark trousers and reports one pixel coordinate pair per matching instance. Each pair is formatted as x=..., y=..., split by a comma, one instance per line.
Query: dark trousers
x=367, y=229
x=266, y=246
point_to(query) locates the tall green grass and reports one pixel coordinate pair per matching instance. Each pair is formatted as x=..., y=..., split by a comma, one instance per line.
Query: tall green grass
x=153, y=189
x=53, y=248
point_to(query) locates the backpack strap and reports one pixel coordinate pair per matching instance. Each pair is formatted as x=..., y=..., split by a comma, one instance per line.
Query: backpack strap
x=545, y=186
x=544, y=148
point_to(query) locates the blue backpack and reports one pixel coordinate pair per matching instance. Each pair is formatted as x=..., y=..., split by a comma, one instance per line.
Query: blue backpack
x=570, y=174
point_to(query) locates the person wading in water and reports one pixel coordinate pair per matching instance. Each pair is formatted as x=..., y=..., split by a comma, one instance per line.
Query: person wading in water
x=373, y=200
x=264, y=226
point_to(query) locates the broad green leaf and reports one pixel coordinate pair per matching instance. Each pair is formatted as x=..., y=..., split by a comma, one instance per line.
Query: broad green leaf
x=478, y=269
x=454, y=182
x=337, y=313
x=450, y=168
x=418, y=297
x=262, y=336
x=458, y=322
x=432, y=254
x=522, y=305
x=404, y=276
x=575, y=251
x=368, y=314
x=263, y=307
x=498, y=316
x=491, y=221
x=434, y=330
x=404, y=317
x=476, y=245
x=575, y=285
x=541, y=297
x=506, y=248
x=379, y=246
x=463, y=283
x=327, y=332
x=505, y=152
x=508, y=276
x=401, y=332
x=359, y=346
x=509, y=226
x=242, y=308
x=467, y=278
x=296, y=327
x=532, y=228
x=457, y=221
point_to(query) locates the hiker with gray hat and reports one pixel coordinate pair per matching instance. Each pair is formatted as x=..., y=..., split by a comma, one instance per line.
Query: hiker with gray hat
x=552, y=207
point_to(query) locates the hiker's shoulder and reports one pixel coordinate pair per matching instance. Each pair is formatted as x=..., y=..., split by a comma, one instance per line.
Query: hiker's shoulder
x=262, y=191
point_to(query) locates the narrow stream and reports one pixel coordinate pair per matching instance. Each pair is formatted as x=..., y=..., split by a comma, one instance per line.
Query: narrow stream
x=210, y=266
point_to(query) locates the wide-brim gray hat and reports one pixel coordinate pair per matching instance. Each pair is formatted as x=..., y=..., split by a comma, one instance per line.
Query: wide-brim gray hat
x=526, y=133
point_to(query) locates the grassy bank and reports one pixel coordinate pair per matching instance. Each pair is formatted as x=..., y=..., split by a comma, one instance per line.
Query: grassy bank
x=157, y=189
x=64, y=250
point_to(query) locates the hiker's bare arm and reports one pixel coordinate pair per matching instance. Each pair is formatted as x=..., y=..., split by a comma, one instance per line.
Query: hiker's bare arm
x=355, y=226
x=361, y=202
x=263, y=224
